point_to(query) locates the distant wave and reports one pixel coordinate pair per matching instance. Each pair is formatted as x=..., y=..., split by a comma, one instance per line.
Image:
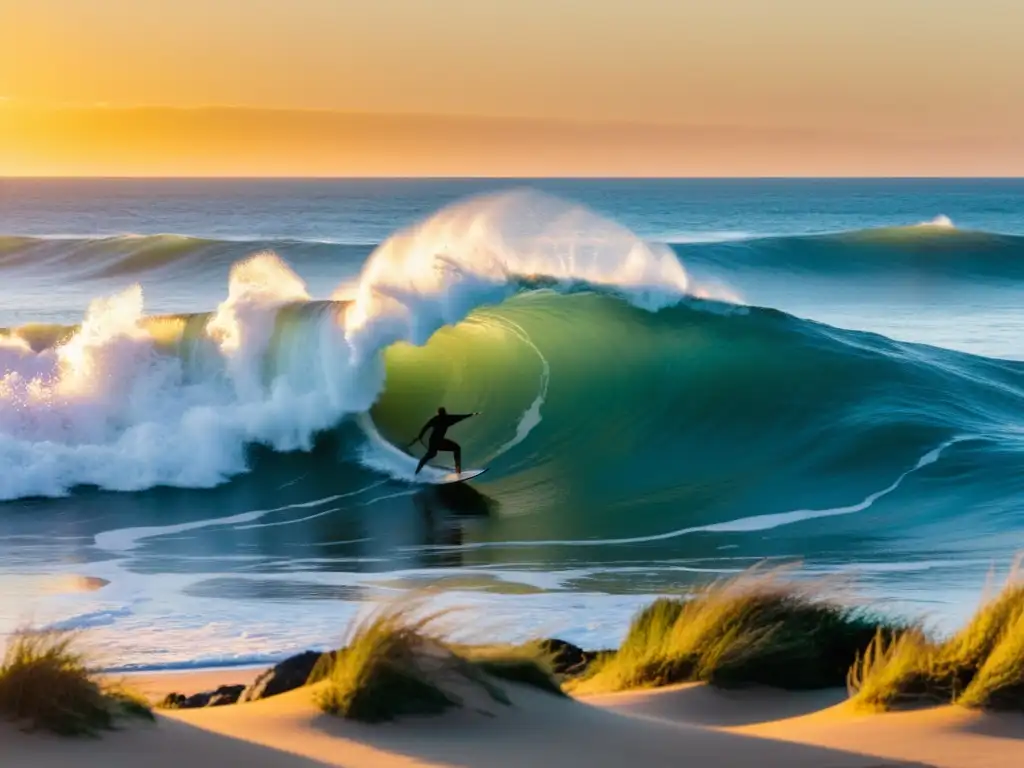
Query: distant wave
x=148, y=256
x=933, y=248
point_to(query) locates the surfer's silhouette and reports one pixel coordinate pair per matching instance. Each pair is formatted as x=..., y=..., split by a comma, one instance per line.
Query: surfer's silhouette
x=438, y=442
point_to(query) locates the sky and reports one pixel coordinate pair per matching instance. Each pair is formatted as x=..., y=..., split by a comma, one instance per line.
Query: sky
x=511, y=87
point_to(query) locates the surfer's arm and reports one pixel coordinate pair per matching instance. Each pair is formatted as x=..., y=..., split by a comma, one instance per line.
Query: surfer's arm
x=455, y=418
x=423, y=431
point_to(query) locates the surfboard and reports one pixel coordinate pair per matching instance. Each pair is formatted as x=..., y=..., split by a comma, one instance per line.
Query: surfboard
x=458, y=477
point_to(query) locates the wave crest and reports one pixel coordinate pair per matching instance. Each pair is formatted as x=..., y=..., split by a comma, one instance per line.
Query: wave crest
x=126, y=402
x=476, y=253
x=939, y=222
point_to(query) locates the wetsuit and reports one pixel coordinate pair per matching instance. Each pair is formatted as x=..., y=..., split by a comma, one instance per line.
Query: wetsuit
x=438, y=442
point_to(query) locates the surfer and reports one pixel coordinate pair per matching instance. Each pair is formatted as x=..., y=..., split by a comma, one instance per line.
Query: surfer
x=438, y=442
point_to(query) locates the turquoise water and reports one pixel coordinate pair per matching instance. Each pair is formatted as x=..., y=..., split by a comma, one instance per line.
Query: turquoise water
x=677, y=378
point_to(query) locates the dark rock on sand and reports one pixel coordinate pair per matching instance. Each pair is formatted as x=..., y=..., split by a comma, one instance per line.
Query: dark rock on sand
x=226, y=694
x=294, y=672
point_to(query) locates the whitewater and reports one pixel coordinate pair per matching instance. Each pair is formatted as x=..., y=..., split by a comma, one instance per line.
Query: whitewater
x=678, y=379
x=126, y=403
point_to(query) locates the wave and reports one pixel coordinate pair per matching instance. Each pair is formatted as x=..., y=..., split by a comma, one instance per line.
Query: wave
x=930, y=249
x=599, y=361
x=127, y=402
x=719, y=413
x=155, y=256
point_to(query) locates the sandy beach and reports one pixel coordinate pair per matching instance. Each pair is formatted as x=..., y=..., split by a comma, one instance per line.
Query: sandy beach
x=689, y=724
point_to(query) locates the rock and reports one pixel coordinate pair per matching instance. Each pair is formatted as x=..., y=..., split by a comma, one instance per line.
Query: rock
x=172, y=701
x=294, y=672
x=226, y=694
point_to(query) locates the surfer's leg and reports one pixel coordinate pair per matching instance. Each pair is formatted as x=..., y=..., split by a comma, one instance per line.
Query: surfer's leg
x=431, y=453
x=455, y=448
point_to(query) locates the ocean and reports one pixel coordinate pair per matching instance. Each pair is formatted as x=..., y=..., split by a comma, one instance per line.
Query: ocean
x=206, y=387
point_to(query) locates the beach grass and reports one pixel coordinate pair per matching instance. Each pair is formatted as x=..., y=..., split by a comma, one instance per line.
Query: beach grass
x=898, y=672
x=527, y=664
x=397, y=665
x=46, y=683
x=980, y=666
x=757, y=628
x=999, y=682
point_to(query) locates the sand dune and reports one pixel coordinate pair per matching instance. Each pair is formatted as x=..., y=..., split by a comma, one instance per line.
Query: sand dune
x=168, y=744
x=945, y=737
x=689, y=724
x=698, y=704
x=652, y=729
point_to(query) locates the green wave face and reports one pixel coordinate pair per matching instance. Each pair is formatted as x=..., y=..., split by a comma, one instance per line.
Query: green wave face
x=687, y=416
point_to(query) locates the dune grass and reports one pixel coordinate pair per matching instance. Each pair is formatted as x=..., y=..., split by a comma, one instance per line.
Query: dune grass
x=982, y=665
x=900, y=671
x=46, y=683
x=396, y=665
x=758, y=628
x=999, y=681
x=528, y=664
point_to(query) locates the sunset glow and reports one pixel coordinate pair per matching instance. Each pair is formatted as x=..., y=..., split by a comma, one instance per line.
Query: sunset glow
x=608, y=87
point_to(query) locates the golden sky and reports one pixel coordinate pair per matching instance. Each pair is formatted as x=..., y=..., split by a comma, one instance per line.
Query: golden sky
x=511, y=87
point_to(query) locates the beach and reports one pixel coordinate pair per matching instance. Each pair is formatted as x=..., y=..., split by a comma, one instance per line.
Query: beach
x=688, y=724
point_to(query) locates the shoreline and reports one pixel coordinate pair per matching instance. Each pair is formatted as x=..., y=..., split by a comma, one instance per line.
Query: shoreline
x=758, y=670
x=184, y=671
x=156, y=685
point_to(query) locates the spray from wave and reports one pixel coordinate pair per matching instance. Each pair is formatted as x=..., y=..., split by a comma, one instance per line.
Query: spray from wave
x=939, y=222
x=128, y=402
